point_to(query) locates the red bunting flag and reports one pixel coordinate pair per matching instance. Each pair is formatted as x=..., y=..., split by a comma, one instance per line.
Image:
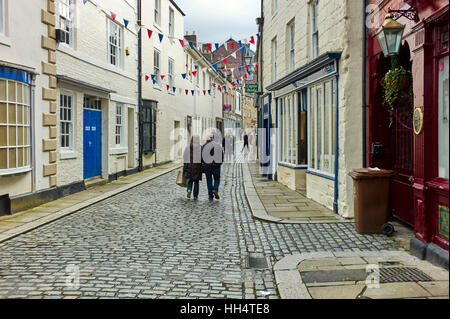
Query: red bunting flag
x=252, y=40
x=168, y=87
x=150, y=32
x=204, y=92
x=225, y=60
x=113, y=16
x=247, y=66
x=147, y=78
x=256, y=66
x=214, y=85
x=187, y=92
x=162, y=77
x=209, y=47
x=245, y=76
x=232, y=83
x=182, y=43
x=194, y=73
x=220, y=89
x=232, y=45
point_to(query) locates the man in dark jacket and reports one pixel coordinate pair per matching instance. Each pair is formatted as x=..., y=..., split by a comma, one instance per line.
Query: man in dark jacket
x=212, y=157
x=192, y=168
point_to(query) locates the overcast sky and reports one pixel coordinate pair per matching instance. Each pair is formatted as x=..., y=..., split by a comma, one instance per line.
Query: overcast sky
x=216, y=20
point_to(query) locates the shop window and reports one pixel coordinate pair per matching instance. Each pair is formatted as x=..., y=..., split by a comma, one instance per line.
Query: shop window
x=15, y=136
x=322, y=128
x=443, y=118
x=288, y=130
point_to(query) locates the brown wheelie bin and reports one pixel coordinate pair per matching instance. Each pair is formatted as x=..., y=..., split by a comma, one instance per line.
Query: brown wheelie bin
x=371, y=198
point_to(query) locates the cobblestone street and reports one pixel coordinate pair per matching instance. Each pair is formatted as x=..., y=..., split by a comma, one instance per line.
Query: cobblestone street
x=152, y=242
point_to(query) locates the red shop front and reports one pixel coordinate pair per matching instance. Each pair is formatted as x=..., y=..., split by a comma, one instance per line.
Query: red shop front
x=413, y=140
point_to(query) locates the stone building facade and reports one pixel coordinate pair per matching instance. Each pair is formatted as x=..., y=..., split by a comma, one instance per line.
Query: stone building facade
x=311, y=106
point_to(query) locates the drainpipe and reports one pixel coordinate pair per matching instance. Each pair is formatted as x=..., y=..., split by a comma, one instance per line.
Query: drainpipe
x=140, y=113
x=33, y=153
x=364, y=86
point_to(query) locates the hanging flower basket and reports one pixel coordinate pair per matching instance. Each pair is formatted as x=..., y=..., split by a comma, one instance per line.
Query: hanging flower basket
x=398, y=92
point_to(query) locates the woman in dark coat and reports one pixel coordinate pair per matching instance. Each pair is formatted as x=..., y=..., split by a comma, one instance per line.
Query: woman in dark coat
x=192, y=160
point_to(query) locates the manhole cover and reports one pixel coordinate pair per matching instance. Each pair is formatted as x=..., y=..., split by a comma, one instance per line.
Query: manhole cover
x=257, y=262
x=401, y=274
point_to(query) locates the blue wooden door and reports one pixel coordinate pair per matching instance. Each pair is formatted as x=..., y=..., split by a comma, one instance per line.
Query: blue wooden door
x=92, y=143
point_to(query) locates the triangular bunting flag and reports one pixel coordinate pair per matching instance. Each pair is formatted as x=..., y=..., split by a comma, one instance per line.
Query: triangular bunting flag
x=252, y=40
x=194, y=73
x=174, y=89
x=161, y=36
x=162, y=77
x=182, y=43
x=184, y=75
x=187, y=92
x=125, y=22
x=225, y=60
x=192, y=91
x=226, y=46
x=196, y=67
x=147, y=77
x=204, y=92
x=240, y=43
x=243, y=48
x=191, y=44
x=233, y=55
x=149, y=32
x=113, y=16
x=247, y=66
x=217, y=46
x=232, y=45
x=209, y=45
x=84, y=1
x=153, y=78
x=168, y=87
x=240, y=68
x=209, y=92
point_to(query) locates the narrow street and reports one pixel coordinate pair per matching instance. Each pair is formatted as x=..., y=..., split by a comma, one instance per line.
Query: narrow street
x=152, y=242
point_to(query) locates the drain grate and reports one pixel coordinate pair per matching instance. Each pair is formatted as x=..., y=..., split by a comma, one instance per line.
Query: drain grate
x=257, y=262
x=401, y=274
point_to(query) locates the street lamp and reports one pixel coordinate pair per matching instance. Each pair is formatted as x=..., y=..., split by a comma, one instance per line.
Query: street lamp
x=248, y=59
x=390, y=36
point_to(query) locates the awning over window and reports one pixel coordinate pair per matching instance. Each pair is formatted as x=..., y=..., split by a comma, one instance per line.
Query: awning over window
x=68, y=80
x=320, y=64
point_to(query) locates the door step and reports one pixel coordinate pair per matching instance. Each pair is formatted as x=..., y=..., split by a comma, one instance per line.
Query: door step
x=94, y=181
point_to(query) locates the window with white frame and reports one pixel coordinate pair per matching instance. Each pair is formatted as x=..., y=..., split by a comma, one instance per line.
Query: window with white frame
x=15, y=137
x=322, y=128
x=157, y=65
x=288, y=129
x=66, y=14
x=158, y=12
x=115, y=43
x=274, y=6
x=198, y=78
x=119, y=125
x=171, y=22
x=204, y=81
x=274, y=59
x=170, y=74
x=2, y=16
x=314, y=28
x=66, y=108
x=291, y=45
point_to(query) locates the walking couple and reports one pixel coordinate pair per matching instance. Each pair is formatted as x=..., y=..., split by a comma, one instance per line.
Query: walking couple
x=205, y=159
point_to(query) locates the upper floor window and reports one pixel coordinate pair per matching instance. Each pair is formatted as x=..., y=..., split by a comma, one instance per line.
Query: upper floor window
x=274, y=59
x=171, y=72
x=2, y=16
x=66, y=120
x=158, y=12
x=291, y=46
x=157, y=65
x=115, y=39
x=171, y=22
x=66, y=8
x=315, y=29
x=274, y=6
x=204, y=80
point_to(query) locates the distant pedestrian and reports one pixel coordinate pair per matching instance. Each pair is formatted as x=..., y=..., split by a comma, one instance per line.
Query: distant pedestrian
x=192, y=159
x=228, y=144
x=212, y=157
x=245, y=142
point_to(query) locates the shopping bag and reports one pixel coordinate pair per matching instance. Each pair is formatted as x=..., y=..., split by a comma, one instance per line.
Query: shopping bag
x=181, y=179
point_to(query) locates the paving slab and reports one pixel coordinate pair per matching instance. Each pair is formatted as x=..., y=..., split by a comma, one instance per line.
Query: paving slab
x=336, y=292
x=397, y=290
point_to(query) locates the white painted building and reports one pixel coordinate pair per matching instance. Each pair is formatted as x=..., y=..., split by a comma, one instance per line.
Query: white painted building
x=97, y=89
x=174, y=107
x=311, y=54
x=27, y=94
